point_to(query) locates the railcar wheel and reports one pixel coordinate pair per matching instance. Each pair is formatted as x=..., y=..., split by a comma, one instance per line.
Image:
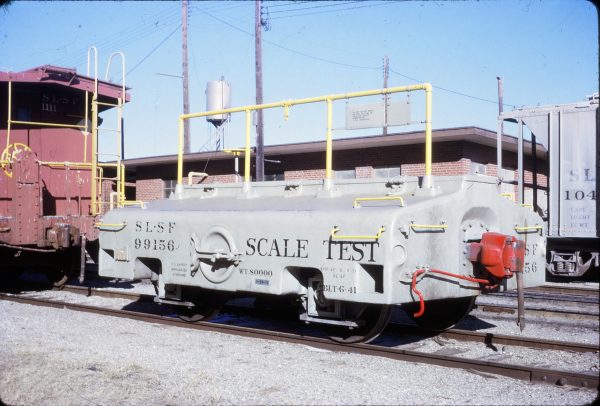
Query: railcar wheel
x=372, y=319
x=441, y=315
x=204, y=309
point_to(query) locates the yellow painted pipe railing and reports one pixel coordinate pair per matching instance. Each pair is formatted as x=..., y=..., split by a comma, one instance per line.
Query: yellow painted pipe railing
x=329, y=143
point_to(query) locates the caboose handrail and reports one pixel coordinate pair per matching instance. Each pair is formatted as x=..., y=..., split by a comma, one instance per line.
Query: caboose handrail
x=286, y=104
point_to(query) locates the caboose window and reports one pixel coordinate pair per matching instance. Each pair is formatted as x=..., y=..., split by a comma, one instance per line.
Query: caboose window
x=23, y=114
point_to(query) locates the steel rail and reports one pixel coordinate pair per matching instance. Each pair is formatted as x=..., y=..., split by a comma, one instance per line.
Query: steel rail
x=490, y=339
x=538, y=311
x=522, y=372
x=493, y=339
x=551, y=296
x=566, y=290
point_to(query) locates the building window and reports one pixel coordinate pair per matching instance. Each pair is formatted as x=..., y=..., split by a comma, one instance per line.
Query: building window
x=386, y=172
x=169, y=187
x=346, y=174
x=477, y=169
x=274, y=176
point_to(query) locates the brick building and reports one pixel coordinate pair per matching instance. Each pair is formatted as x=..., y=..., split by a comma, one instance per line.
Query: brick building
x=456, y=151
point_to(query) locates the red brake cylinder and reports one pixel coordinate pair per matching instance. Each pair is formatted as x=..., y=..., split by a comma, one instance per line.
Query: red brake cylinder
x=500, y=254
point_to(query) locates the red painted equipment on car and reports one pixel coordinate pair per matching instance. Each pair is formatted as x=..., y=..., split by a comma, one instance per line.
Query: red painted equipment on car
x=500, y=254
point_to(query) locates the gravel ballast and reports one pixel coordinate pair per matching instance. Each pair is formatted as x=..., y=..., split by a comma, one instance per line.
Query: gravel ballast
x=63, y=357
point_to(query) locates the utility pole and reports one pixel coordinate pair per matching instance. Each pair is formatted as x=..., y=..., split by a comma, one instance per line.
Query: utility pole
x=386, y=72
x=186, y=97
x=260, y=156
x=500, y=95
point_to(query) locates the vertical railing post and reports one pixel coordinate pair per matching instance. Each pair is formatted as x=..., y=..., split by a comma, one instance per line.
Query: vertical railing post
x=329, y=146
x=94, y=155
x=180, y=156
x=428, y=155
x=247, y=150
x=9, y=115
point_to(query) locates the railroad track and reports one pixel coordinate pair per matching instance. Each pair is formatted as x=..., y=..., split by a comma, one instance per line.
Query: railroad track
x=548, y=301
x=528, y=373
x=565, y=290
x=490, y=339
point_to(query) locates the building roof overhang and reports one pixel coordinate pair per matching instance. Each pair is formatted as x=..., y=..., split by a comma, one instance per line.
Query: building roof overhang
x=474, y=135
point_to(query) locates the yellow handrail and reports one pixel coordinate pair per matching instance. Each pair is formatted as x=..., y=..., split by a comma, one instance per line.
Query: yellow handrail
x=524, y=229
x=368, y=199
x=48, y=124
x=329, y=100
x=509, y=196
x=113, y=226
x=335, y=229
x=428, y=226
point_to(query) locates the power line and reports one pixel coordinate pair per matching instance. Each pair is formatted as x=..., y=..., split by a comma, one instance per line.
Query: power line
x=165, y=18
x=352, y=65
x=291, y=3
x=336, y=4
x=450, y=90
x=333, y=11
x=289, y=49
x=154, y=49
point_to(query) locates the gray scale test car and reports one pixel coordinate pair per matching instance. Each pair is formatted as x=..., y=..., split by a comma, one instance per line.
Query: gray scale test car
x=345, y=253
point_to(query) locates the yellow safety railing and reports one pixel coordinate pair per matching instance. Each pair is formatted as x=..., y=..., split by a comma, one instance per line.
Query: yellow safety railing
x=335, y=236
x=374, y=199
x=329, y=101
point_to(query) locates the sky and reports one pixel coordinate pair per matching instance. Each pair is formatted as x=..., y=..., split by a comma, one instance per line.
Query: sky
x=545, y=51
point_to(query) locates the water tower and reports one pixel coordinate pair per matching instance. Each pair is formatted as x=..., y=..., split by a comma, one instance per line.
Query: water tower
x=218, y=97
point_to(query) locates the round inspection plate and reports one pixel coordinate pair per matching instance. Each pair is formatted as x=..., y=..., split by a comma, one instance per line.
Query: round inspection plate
x=217, y=240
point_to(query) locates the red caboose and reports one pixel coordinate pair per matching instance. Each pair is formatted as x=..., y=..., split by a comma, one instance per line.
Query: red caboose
x=50, y=177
